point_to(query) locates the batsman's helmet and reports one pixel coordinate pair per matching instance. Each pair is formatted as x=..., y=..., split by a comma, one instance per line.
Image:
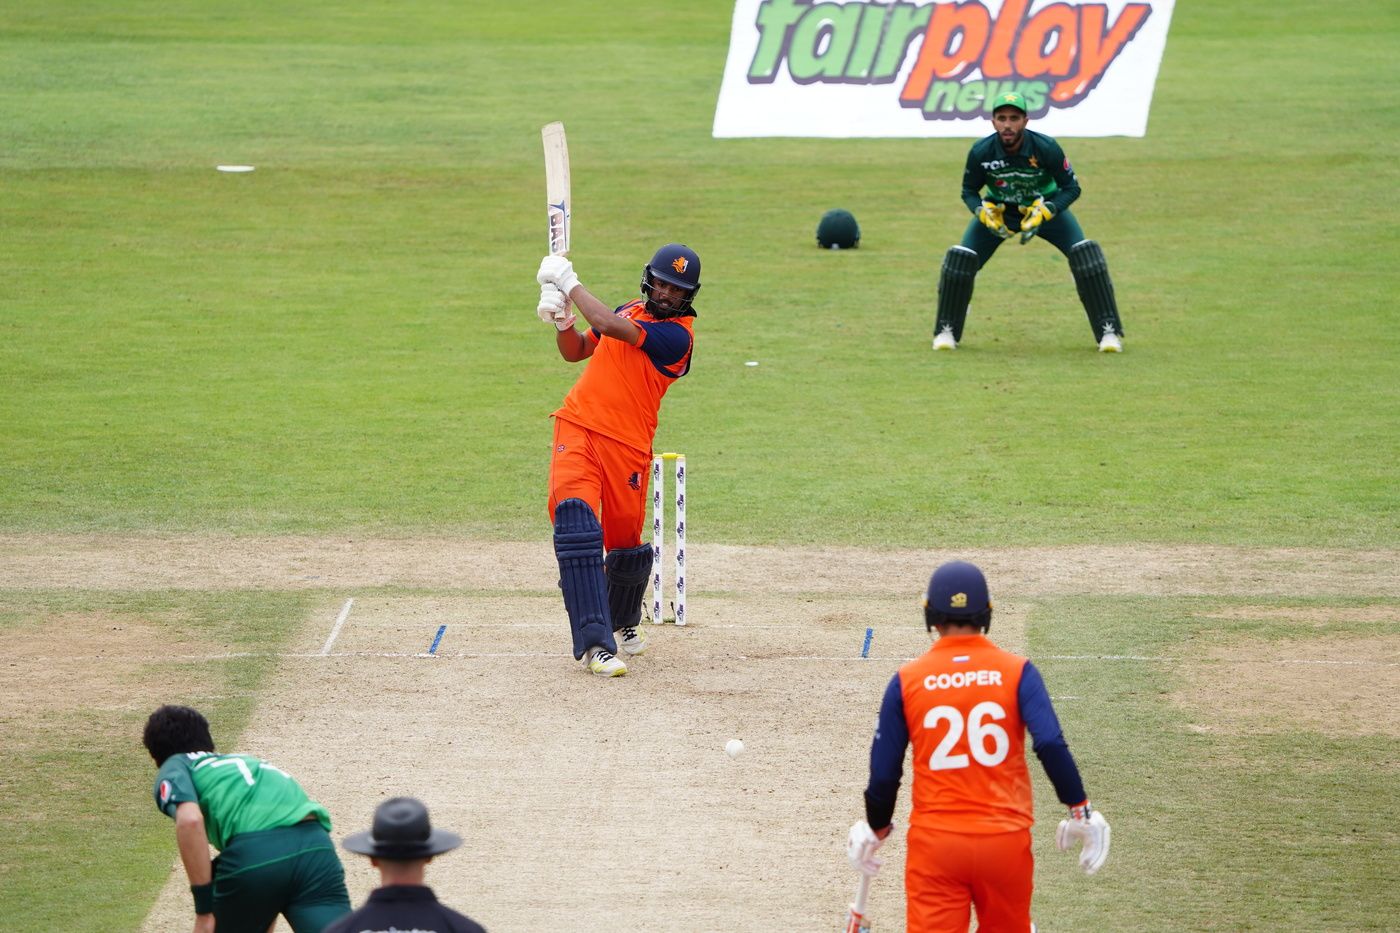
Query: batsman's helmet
x=838, y=230
x=676, y=265
x=957, y=593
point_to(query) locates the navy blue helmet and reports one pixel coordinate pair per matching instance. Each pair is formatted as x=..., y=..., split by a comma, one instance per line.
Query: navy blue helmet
x=957, y=593
x=676, y=265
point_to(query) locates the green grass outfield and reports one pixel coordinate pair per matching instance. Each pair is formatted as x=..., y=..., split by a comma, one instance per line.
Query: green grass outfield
x=345, y=339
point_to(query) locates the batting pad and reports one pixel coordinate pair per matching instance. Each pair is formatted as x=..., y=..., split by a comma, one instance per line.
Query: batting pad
x=955, y=283
x=578, y=546
x=629, y=569
x=1090, y=269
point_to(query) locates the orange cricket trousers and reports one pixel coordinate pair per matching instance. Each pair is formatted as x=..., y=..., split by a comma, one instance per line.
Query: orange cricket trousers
x=607, y=474
x=946, y=873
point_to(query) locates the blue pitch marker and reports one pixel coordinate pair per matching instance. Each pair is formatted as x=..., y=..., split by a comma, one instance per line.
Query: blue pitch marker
x=437, y=638
x=865, y=649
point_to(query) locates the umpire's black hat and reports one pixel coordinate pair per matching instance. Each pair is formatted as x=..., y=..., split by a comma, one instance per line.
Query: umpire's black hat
x=402, y=831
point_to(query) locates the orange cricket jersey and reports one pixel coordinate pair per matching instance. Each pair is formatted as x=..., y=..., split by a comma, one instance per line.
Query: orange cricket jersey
x=620, y=391
x=964, y=719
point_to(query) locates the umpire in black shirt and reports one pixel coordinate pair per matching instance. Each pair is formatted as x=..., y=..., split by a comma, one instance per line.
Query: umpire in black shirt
x=400, y=845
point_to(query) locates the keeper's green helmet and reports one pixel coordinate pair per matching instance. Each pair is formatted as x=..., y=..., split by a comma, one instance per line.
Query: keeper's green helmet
x=838, y=230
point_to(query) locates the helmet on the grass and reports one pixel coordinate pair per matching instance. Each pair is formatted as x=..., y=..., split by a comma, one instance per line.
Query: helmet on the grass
x=838, y=230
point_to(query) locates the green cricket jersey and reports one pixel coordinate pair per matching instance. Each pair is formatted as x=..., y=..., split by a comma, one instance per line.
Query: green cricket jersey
x=236, y=793
x=1039, y=169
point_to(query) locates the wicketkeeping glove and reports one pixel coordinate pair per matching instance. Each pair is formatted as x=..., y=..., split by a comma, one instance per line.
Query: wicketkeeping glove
x=1032, y=217
x=555, y=308
x=556, y=270
x=993, y=218
x=1086, y=824
x=861, y=844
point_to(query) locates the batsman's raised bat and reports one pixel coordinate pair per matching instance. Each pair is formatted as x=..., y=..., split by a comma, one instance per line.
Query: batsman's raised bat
x=855, y=914
x=558, y=200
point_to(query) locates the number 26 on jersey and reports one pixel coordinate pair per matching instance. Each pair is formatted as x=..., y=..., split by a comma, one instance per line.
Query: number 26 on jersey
x=987, y=741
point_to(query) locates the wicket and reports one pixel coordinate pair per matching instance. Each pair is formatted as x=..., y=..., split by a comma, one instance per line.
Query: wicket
x=658, y=539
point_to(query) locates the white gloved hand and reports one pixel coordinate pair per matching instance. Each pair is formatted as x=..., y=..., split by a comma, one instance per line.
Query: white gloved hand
x=556, y=270
x=1086, y=824
x=553, y=304
x=861, y=845
x=554, y=308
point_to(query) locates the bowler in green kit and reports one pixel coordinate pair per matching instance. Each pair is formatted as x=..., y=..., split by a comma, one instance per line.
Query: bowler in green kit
x=1018, y=183
x=275, y=851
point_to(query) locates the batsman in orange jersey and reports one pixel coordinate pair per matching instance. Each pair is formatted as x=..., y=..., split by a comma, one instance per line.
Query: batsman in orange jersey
x=966, y=706
x=602, y=442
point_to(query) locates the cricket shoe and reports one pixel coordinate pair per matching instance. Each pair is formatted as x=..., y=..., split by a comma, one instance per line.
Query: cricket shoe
x=632, y=640
x=945, y=340
x=604, y=663
x=1111, y=342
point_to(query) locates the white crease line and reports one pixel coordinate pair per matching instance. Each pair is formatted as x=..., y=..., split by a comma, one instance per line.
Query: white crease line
x=369, y=619
x=469, y=655
x=1108, y=657
x=339, y=621
x=1351, y=663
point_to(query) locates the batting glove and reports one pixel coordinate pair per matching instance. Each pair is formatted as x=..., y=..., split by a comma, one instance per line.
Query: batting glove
x=1088, y=825
x=556, y=270
x=993, y=218
x=1032, y=217
x=861, y=845
x=554, y=308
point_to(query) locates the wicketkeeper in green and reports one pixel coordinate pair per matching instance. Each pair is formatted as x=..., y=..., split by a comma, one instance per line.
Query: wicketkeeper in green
x=1019, y=183
x=275, y=850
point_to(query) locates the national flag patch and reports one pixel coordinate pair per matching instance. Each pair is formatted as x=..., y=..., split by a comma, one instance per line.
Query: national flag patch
x=164, y=792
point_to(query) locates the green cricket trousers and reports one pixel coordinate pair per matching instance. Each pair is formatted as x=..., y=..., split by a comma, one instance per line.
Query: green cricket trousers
x=291, y=870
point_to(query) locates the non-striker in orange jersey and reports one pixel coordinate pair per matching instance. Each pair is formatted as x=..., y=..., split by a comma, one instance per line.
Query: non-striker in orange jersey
x=620, y=391
x=960, y=704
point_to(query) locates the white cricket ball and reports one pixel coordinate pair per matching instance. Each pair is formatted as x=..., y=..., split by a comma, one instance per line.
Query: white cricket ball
x=733, y=748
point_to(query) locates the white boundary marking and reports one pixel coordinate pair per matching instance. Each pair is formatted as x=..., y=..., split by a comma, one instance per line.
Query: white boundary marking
x=339, y=621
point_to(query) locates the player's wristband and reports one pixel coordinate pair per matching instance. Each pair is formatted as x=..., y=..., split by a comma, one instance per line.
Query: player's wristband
x=203, y=897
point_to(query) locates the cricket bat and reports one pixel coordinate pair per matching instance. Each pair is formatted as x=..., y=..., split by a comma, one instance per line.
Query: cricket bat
x=558, y=200
x=855, y=914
